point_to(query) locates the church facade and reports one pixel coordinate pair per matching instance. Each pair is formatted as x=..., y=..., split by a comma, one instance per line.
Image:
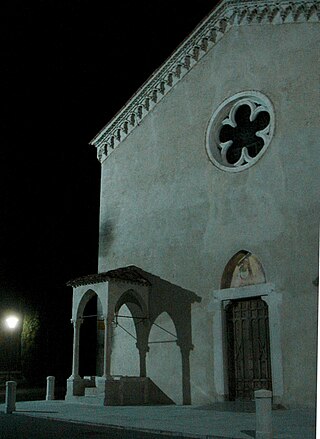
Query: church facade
x=209, y=219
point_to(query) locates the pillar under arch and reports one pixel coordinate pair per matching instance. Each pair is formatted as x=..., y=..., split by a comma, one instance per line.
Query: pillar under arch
x=186, y=381
x=76, y=345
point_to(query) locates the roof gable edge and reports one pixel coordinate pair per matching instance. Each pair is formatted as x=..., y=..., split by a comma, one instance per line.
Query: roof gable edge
x=225, y=15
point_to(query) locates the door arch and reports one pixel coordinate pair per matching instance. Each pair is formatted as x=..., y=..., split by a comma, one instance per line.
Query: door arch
x=243, y=269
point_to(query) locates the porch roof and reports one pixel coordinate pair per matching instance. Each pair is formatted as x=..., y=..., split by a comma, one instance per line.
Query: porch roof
x=124, y=274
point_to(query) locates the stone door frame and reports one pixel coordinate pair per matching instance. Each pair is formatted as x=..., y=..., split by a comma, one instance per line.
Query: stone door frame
x=217, y=305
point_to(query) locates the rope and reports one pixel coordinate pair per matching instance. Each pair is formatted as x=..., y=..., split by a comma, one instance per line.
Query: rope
x=132, y=317
x=150, y=342
x=128, y=317
x=126, y=331
x=165, y=330
x=163, y=341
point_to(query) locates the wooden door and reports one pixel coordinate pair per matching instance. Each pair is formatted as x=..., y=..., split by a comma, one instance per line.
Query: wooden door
x=249, y=366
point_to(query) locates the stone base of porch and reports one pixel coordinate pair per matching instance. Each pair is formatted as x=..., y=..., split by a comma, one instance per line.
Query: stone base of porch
x=117, y=390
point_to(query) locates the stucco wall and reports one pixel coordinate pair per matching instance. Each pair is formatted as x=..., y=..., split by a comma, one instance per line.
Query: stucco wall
x=125, y=355
x=166, y=208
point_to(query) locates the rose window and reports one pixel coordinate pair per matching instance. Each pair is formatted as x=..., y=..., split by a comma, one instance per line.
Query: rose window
x=240, y=131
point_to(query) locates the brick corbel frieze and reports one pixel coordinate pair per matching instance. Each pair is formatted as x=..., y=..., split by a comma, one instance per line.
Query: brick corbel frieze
x=227, y=14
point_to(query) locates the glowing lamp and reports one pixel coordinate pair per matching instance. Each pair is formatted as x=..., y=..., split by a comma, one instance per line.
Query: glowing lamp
x=12, y=322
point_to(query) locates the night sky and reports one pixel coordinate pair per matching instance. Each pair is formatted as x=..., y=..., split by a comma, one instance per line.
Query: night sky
x=67, y=67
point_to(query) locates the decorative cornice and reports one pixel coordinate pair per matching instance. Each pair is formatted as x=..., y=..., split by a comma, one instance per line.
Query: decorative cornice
x=227, y=14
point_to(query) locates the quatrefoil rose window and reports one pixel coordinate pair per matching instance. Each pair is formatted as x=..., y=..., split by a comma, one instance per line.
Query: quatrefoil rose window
x=240, y=130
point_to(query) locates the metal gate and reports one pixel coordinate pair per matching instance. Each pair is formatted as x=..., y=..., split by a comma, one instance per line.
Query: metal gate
x=249, y=366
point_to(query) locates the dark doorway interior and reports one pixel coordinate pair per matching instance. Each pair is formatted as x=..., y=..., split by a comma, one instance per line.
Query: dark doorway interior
x=88, y=339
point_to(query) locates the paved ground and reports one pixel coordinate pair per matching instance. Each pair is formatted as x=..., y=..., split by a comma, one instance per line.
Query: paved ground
x=219, y=420
x=27, y=427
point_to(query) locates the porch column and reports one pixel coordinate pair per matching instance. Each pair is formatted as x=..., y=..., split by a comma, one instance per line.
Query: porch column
x=107, y=346
x=76, y=343
x=142, y=355
x=186, y=386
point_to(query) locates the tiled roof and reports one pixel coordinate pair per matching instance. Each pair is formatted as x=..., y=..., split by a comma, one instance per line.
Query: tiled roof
x=129, y=274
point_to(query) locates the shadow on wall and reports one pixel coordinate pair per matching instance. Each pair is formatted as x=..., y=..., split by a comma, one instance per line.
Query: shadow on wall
x=125, y=355
x=106, y=238
x=164, y=364
x=162, y=333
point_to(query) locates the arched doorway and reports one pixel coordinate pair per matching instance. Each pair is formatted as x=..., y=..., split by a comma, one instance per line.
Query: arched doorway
x=247, y=330
x=90, y=334
x=88, y=339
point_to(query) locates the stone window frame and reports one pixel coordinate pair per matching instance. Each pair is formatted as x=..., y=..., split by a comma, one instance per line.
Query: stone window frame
x=225, y=113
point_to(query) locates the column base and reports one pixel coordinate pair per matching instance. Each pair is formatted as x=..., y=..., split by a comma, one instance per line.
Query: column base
x=221, y=398
x=75, y=387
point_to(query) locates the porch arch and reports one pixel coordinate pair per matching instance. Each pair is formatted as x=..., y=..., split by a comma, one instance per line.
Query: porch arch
x=80, y=302
x=137, y=331
x=180, y=320
x=125, y=355
x=132, y=298
x=164, y=365
x=91, y=335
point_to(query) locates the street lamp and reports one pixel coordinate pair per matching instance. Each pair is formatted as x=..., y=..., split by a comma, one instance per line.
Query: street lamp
x=11, y=323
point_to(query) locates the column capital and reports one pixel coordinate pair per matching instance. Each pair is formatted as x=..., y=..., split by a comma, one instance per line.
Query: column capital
x=142, y=348
x=76, y=322
x=185, y=348
x=107, y=318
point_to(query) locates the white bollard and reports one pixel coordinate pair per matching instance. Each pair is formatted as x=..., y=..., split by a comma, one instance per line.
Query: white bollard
x=263, y=414
x=11, y=391
x=50, y=388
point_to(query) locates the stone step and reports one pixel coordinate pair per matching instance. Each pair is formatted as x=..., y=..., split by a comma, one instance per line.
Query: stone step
x=91, y=391
x=91, y=400
x=122, y=391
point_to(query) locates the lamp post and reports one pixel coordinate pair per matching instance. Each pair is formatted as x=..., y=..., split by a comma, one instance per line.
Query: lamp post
x=11, y=323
